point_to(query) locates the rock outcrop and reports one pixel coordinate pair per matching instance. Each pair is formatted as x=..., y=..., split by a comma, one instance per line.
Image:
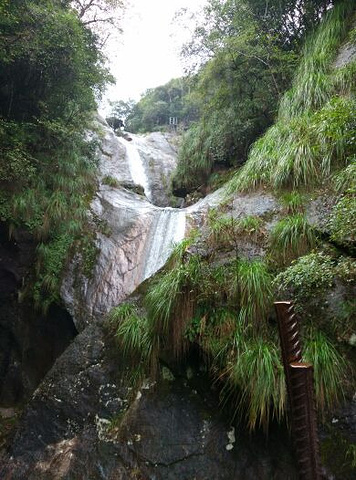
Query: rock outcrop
x=30, y=341
x=84, y=423
x=133, y=236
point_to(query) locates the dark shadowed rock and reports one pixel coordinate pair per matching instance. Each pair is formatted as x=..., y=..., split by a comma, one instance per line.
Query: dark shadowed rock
x=84, y=423
x=29, y=341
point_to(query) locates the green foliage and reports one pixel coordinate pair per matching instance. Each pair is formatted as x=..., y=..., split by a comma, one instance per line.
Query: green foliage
x=52, y=258
x=243, y=71
x=225, y=231
x=315, y=129
x=220, y=307
x=253, y=282
x=158, y=104
x=294, y=202
x=329, y=369
x=173, y=296
x=290, y=238
x=111, y=181
x=133, y=333
x=343, y=220
x=258, y=374
x=51, y=72
x=307, y=277
x=345, y=180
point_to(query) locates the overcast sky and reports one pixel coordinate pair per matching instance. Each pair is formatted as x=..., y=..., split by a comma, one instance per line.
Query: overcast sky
x=147, y=54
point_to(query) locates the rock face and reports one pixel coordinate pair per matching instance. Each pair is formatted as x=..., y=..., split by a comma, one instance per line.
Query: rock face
x=29, y=341
x=159, y=156
x=134, y=237
x=84, y=423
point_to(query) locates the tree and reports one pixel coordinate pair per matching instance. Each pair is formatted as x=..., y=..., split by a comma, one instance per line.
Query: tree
x=121, y=110
x=96, y=11
x=51, y=73
x=158, y=104
x=103, y=17
x=241, y=75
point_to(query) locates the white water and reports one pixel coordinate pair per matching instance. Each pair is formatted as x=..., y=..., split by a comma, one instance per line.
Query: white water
x=168, y=225
x=167, y=228
x=137, y=170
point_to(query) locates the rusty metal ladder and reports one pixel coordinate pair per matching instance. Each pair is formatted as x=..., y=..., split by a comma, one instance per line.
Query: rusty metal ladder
x=300, y=391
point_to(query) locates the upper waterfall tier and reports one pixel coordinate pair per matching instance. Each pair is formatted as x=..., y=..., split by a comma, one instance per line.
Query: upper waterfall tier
x=136, y=167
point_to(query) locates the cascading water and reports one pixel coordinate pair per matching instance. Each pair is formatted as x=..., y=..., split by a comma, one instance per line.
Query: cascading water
x=138, y=235
x=168, y=228
x=168, y=225
x=136, y=167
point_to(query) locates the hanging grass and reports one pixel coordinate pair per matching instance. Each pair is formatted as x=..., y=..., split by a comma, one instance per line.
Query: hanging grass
x=297, y=163
x=257, y=377
x=172, y=298
x=253, y=282
x=132, y=332
x=290, y=238
x=329, y=370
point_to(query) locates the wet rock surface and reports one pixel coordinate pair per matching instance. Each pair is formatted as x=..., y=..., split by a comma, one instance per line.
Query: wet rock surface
x=133, y=236
x=159, y=155
x=83, y=423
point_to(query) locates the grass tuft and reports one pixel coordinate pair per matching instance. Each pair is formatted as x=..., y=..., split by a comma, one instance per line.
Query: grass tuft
x=329, y=369
x=290, y=238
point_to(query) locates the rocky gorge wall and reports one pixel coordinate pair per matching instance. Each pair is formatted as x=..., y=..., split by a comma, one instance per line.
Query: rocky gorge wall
x=86, y=419
x=134, y=234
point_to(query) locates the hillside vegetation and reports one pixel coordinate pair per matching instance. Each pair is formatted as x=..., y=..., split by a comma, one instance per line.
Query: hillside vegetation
x=51, y=73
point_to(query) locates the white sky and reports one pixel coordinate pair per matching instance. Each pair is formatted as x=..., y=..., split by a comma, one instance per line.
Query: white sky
x=147, y=53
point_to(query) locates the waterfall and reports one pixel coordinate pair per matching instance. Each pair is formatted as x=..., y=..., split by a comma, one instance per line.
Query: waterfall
x=167, y=228
x=137, y=170
x=139, y=237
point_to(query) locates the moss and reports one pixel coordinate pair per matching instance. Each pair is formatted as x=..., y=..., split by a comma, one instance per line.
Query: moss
x=111, y=181
x=342, y=222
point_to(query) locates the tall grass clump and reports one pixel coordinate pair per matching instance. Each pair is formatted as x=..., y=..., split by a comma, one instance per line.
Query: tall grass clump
x=329, y=369
x=133, y=333
x=313, y=134
x=290, y=238
x=171, y=298
x=253, y=286
x=256, y=379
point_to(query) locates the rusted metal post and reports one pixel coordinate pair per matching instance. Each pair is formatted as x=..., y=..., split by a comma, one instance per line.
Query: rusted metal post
x=300, y=391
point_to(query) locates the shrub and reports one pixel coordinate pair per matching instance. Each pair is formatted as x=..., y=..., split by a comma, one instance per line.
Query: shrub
x=306, y=277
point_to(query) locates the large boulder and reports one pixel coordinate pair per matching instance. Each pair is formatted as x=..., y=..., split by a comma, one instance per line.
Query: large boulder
x=85, y=422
